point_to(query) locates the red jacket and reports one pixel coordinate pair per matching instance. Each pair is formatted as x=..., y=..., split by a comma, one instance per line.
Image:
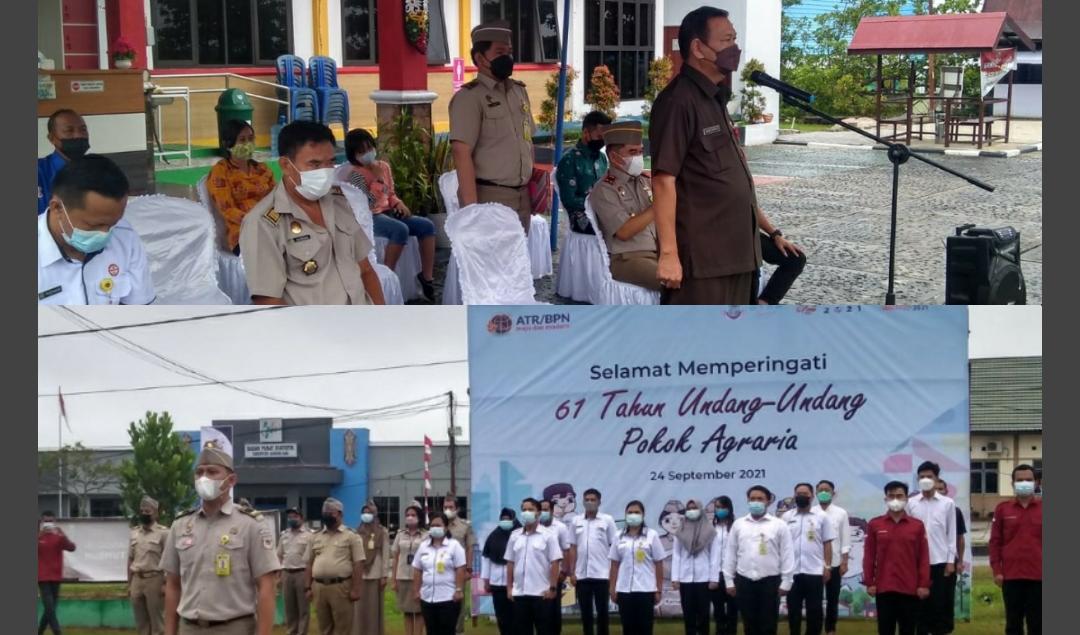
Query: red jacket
x=1016, y=540
x=896, y=555
x=50, y=556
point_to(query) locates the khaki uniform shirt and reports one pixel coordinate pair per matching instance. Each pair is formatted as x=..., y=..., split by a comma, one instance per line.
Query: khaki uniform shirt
x=692, y=138
x=219, y=561
x=462, y=531
x=617, y=197
x=293, y=547
x=377, y=565
x=405, y=547
x=288, y=256
x=333, y=553
x=146, y=547
x=495, y=120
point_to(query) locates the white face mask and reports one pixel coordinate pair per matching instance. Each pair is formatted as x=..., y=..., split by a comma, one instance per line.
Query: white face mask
x=207, y=488
x=896, y=504
x=314, y=184
x=635, y=165
x=450, y=514
x=693, y=514
x=927, y=484
x=1024, y=488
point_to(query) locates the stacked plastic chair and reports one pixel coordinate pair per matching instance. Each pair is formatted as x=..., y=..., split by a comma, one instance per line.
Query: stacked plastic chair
x=303, y=101
x=333, y=100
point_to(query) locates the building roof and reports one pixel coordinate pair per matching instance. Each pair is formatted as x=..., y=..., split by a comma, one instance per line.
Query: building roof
x=947, y=33
x=1006, y=394
x=1026, y=13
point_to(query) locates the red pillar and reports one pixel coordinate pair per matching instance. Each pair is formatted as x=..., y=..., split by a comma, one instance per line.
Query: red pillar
x=401, y=66
x=126, y=18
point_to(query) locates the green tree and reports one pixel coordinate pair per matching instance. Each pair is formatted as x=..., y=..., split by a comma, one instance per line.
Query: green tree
x=548, y=112
x=83, y=473
x=161, y=467
x=660, y=70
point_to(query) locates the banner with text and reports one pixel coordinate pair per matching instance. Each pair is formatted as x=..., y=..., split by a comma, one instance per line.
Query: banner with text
x=664, y=404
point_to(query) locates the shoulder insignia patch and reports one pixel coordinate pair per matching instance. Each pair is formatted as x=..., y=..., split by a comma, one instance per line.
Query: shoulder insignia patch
x=187, y=512
x=248, y=511
x=609, y=179
x=473, y=84
x=272, y=216
x=518, y=82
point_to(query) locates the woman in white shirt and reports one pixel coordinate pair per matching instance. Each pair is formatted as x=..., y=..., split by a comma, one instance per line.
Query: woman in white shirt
x=691, y=567
x=439, y=578
x=725, y=610
x=493, y=569
x=637, y=576
x=406, y=544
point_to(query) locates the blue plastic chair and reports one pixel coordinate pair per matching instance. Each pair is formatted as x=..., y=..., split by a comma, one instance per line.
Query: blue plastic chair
x=303, y=101
x=335, y=109
x=291, y=71
x=333, y=100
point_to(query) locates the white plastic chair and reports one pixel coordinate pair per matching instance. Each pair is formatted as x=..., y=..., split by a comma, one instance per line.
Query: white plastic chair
x=607, y=290
x=391, y=284
x=448, y=185
x=491, y=255
x=180, y=242
x=231, y=277
x=580, y=264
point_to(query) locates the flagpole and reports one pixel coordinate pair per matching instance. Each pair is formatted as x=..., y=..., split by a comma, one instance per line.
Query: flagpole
x=59, y=463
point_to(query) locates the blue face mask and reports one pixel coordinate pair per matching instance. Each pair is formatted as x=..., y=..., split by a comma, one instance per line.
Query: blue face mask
x=82, y=240
x=757, y=508
x=367, y=158
x=721, y=514
x=545, y=517
x=506, y=525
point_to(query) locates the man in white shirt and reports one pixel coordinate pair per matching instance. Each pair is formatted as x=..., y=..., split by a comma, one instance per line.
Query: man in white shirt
x=938, y=514
x=533, y=558
x=812, y=538
x=759, y=564
x=841, y=549
x=594, y=533
x=566, y=541
x=87, y=252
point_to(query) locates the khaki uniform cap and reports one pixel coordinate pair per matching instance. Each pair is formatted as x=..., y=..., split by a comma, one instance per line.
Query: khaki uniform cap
x=495, y=31
x=623, y=133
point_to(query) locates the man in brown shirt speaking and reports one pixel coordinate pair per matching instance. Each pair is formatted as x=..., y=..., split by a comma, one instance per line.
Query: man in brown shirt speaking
x=705, y=207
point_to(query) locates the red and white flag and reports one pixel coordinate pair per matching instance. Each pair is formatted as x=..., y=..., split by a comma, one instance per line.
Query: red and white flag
x=63, y=409
x=427, y=471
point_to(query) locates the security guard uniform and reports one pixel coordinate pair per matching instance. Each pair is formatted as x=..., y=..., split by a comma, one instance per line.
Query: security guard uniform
x=494, y=119
x=147, y=586
x=579, y=169
x=331, y=558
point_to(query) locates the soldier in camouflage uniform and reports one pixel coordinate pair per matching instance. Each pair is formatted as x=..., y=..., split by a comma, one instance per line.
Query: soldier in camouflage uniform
x=581, y=167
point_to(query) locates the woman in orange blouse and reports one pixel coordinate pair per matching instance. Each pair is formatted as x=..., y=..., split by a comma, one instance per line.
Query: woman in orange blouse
x=237, y=182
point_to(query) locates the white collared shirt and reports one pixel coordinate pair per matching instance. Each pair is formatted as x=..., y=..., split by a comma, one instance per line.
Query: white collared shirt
x=566, y=537
x=532, y=555
x=438, y=569
x=841, y=545
x=638, y=558
x=495, y=574
x=118, y=274
x=593, y=538
x=938, y=513
x=759, y=548
x=719, y=549
x=690, y=569
x=810, y=532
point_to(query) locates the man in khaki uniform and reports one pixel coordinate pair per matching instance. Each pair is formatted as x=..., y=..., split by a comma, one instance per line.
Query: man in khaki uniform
x=219, y=560
x=460, y=530
x=146, y=582
x=622, y=202
x=491, y=127
x=334, y=571
x=302, y=244
x=293, y=545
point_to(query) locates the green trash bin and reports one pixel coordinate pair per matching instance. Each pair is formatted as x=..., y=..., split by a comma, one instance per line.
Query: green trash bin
x=233, y=104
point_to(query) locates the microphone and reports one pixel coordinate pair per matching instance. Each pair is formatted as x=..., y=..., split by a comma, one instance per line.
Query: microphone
x=786, y=90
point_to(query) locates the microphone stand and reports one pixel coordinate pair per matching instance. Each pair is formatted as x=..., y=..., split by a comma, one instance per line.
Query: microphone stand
x=898, y=155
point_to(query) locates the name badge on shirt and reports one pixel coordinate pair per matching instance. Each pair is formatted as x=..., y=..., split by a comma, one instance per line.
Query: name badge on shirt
x=408, y=559
x=810, y=535
x=711, y=130
x=50, y=292
x=223, y=565
x=300, y=239
x=440, y=566
x=762, y=548
x=639, y=554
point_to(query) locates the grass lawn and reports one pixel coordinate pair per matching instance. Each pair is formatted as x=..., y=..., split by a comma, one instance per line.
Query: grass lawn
x=989, y=618
x=802, y=126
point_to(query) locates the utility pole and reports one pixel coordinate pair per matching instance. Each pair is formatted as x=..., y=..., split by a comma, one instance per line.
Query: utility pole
x=453, y=448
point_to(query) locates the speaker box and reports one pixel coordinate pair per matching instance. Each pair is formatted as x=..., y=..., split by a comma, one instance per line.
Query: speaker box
x=982, y=266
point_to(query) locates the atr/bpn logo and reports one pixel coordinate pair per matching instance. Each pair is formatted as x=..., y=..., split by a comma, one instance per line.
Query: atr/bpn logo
x=500, y=324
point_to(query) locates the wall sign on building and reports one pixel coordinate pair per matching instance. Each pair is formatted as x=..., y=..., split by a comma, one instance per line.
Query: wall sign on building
x=269, y=430
x=270, y=450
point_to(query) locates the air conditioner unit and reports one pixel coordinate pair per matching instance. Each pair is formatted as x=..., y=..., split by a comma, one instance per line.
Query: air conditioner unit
x=994, y=447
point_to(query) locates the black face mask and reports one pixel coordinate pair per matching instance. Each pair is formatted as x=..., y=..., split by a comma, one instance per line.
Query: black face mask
x=502, y=67
x=145, y=519
x=294, y=522
x=596, y=145
x=329, y=521
x=74, y=148
x=802, y=501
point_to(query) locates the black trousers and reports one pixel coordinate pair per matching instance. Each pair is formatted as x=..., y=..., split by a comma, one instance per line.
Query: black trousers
x=896, y=613
x=725, y=611
x=934, y=611
x=504, y=610
x=636, y=613
x=555, y=621
x=593, y=595
x=532, y=615
x=808, y=591
x=440, y=618
x=1023, y=603
x=759, y=604
x=832, y=600
x=695, y=607
x=50, y=597
x=787, y=269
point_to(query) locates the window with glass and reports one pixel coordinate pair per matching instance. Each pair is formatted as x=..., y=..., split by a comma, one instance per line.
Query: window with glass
x=984, y=477
x=389, y=511
x=535, y=27
x=106, y=507
x=619, y=35
x=220, y=32
x=359, y=33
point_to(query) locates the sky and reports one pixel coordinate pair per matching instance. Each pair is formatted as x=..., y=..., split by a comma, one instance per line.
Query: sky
x=426, y=346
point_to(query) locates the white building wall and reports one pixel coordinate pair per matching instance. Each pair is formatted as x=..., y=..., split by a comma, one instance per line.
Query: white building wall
x=303, y=30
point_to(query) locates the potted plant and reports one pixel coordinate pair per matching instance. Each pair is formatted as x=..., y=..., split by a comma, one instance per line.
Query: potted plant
x=418, y=158
x=752, y=101
x=123, y=53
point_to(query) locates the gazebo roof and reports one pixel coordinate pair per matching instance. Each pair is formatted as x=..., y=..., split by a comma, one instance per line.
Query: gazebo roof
x=946, y=33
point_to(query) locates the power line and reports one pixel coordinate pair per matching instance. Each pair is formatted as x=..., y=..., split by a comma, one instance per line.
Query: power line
x=195, y=318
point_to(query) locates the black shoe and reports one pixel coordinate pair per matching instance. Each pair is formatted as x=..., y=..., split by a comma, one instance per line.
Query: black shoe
x=426, y=288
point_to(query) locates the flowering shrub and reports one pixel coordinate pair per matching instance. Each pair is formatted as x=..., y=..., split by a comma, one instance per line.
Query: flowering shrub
x=603, y=91
x=122, y=49
x=416, y=24
x=548, y=110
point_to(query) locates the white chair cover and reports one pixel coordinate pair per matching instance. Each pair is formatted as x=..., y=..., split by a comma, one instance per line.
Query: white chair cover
x=491, y=254
x=389, y=281
x=540, y=246
x=607, y=290
x=180, y=244
x=231, y=279
x=448, y=185
x=579, y=264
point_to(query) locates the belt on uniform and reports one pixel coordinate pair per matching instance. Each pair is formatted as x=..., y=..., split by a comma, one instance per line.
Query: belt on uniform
x=332, y=580
x=493, y=184
x=147, y=574
x=295, y=570
x=209, y=623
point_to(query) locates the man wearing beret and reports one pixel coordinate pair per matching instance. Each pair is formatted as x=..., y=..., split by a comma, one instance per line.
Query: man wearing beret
x=622, y=202
x=219, y=561
x=491, y=127
x=146, y=582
